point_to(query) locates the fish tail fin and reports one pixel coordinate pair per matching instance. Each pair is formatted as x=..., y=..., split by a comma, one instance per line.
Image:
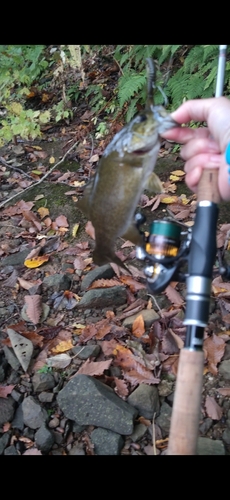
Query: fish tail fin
x=100, y=258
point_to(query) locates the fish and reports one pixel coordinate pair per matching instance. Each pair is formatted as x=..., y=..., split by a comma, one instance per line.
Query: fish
x=125, y=169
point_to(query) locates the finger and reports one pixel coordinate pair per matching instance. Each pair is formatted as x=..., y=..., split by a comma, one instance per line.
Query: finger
x=197, y=146
x=184, y=134
x=198, y=109
x=203, y=160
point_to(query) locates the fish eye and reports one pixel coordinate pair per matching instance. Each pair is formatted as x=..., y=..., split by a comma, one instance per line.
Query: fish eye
x=143, y=118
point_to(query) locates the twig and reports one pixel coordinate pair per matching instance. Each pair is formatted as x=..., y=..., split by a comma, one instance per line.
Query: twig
x=40, y=180
x=156, y=304
x=4, y=162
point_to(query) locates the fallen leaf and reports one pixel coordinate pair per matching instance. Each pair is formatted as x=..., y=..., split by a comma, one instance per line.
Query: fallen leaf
x=133, y=284
x=169, y=199
x=23, y=348
x=225, y=391
x=31, y=217
x=49, y=333
x=108, y=346
x=214, y=348
x=174, y=296
x=89, y=229
x=51, y=160
x=104, y=283
x=64, y=345
x=75, y=229
x=18, y=208
x=43, y=212
x=121, y=387
x=59, y=361
x=28, y=284
x=140, y=377
x=94, y=159
x=94, y=367
x=32, y=451
x=138, y=326
x=179, y=173
x=5, y=390
x=61, y=221
x=33, y=307
x=213, y=410
x=36, y=261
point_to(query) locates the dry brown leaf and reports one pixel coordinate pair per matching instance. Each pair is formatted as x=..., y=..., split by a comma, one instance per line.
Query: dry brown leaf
x=132, y=283
x=23, y=348
x=33, y=307
x=94, y=367
x=88, y=333
x=108, y=346
x=213, y=410
x=41, y=359
x=5, y=390
x=174, y=296
x=28, y=284
x=43, y=212
x=12, y=280
x=104, y=283
x=80, y=263
x=89, y=229
x=18, y=208
x=214, y=348
x=225, y=391
x=138, y=326
x=183, y=214
x=121, y=387
x=127, y=244
x=140, y=377
x=31, y=217
x=171, y=364
x=32, y=451
x=61, y=221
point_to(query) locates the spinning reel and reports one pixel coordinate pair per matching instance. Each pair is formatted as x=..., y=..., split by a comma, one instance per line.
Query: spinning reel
x=166, y=253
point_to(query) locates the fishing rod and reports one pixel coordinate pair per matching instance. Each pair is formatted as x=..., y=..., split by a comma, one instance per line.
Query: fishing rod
x=168, y=249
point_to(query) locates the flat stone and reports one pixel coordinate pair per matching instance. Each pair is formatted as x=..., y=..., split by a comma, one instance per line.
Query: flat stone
x=10, y=450
x=18, y=422
x=139, y=432
x=4, y=440
x=46, y=397
x=7, y=409
x=164, y=418
x=43, y=382
x=17, y=396
x=149, y=316
x=58, y=281
x=88, y=401
x=146, y=400
x=106, y=442
x=224, y=369
x=15, y=259
x=226, y=352
x=100, y=272
x=226, y=436
x=87, y=351
x=208, y=446
x=206, y=425
x=103, y=297
x=44, y=439
x=33, y=415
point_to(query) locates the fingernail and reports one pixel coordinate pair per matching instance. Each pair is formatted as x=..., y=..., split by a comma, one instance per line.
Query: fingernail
x=215, y=160
x=213, y=146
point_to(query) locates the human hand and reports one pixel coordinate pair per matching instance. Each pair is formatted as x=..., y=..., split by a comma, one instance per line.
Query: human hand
x=204, y=147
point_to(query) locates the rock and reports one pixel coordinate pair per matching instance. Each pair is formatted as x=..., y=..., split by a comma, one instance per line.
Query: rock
x=44, y=439
x=16, y=259
x=54, y=422
x=87, y=351
x=138, y=433
x=164, y=419
x=102, y=297
x=43, y=382
x=106, y=442
x=208, y=446
x=165, y=388
x=145, y=398
x=88, y=401
x=58, y=281
x=33, y=415
x=77, y=449
x=226, y=436
x=226, y=352
x=7, y=408
x=224, y=369
x=18, y=422
x=206, y=425
x=11, y=450
x=17, y=396
x=4, y=440
x=3, y=367
x=149, y=316
x=100, y=272
x=78, y=428
x=46, y=397
x=11, y=358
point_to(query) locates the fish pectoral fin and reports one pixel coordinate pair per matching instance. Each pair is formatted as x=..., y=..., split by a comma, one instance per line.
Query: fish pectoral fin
x=84, y=203
x=132, y=234
x=154, y=184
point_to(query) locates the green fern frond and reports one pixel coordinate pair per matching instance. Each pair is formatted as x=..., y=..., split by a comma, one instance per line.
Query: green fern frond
x=129, y=84
x=132, y=109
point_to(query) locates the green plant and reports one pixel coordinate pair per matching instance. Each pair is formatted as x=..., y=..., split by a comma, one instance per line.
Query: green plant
x=45, y=369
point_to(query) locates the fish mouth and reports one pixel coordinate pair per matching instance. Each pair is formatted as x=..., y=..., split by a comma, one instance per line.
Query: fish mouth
x=144, y=150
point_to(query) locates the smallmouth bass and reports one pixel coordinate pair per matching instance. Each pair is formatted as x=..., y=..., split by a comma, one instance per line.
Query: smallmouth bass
x=124, y=171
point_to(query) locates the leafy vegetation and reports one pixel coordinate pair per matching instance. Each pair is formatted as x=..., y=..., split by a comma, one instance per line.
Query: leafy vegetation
x=60, y=78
